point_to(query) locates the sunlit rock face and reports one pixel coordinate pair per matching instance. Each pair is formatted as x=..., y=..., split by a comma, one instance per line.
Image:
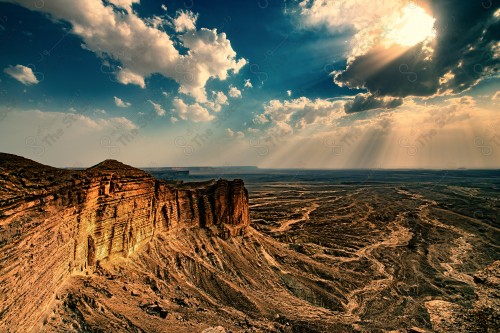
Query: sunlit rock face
x=55, y=223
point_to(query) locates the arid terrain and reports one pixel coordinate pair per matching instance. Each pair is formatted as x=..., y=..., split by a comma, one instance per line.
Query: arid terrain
x=324, y=252
x=391, y=256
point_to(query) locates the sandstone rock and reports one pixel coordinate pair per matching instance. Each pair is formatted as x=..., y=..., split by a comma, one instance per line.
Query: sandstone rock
x=181, y=302
x=58, y=222
x=155, y=310
x=417, y=330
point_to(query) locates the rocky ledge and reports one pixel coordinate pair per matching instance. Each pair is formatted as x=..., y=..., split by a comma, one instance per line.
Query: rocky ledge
x=55, y=223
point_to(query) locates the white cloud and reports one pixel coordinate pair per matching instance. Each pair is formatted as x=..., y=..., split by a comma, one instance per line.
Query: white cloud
x=261, y=119
x=120, y=103
x=185, y=21
x=230, y=133
x=100, y=111
x=289, y=93
x=248, y=84
x=173, y=120
x=253, y=130
x=158, y=109
x=219, y=99
x=125, y=76
x=210, y=56
x=122, y=123
x=142, y=49
x=125, y=4
x=280, y=130
x=194, y=112
x=299, y=113
x=234, y=92
x=22, y=74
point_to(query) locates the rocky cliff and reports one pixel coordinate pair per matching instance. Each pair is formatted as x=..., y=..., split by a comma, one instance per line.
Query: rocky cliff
x=55, y=223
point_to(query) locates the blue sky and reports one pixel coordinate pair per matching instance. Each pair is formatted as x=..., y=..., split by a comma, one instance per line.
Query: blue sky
x=274, y=83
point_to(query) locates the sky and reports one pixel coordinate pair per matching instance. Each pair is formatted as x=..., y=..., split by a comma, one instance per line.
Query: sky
x=338, y=84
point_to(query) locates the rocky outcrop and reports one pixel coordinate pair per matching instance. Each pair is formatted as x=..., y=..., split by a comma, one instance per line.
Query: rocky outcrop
x=55, y=223
x=484, y=316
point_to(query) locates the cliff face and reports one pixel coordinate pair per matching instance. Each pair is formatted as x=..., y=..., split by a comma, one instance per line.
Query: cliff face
x=55, y=223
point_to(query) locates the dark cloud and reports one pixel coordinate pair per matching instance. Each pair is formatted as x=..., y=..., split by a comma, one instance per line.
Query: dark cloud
x=407, y=75
x=466, y=33
x=363, y=102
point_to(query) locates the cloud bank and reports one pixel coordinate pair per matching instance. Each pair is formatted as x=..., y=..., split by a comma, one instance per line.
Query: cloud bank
x=143, y=47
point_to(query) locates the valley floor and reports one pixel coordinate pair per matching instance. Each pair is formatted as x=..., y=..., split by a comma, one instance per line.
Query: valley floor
x=319, y=257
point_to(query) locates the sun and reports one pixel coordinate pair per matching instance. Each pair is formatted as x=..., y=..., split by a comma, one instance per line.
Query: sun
x=413, y=26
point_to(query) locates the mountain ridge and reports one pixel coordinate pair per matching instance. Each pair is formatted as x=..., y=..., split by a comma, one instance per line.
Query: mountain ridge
x=55, y=223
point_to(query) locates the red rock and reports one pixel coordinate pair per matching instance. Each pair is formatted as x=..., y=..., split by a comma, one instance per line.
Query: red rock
x=65, y=221
x=417, y=330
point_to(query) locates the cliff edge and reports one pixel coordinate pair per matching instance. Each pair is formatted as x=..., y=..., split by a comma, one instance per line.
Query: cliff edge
x=55, y=223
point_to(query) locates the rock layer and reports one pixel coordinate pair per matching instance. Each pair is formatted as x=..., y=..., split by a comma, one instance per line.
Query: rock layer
x=55, y=223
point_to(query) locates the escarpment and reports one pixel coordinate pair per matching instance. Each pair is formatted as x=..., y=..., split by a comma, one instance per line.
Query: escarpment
x=55, y=223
